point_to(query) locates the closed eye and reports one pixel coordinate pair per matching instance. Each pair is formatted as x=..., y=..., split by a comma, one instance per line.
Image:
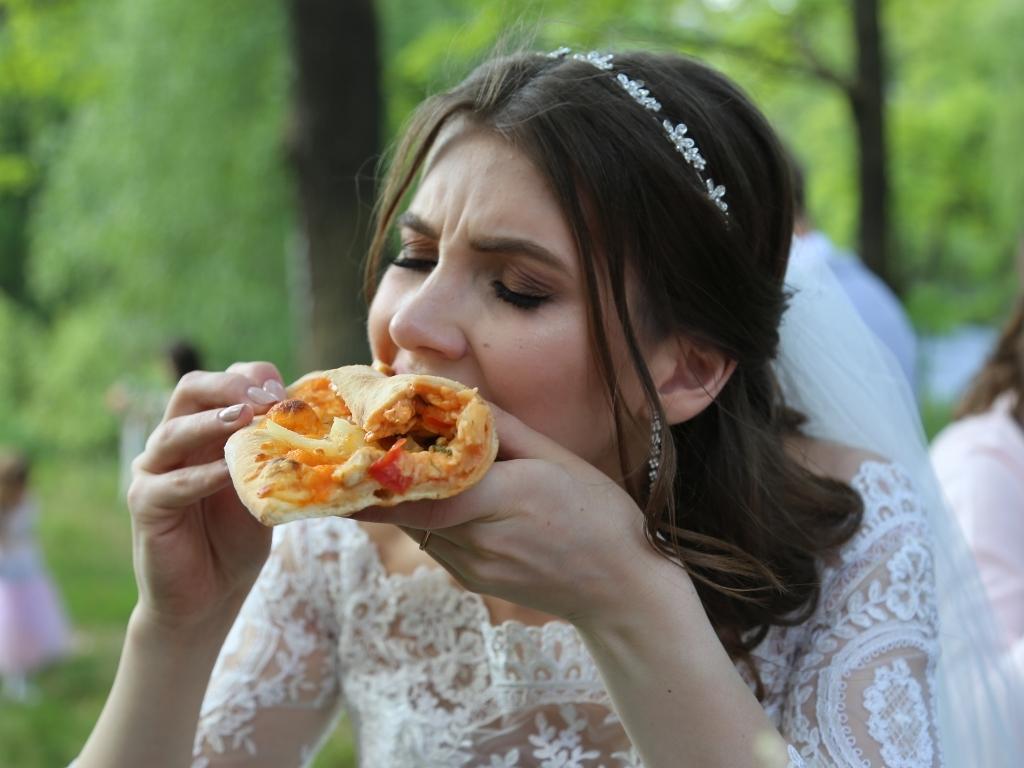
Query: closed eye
x=408, y=258
x=517, y=299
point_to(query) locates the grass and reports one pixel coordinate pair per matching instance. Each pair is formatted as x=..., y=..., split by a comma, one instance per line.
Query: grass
x=85, y=535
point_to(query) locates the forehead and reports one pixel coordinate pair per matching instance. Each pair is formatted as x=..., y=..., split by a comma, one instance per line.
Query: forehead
x=478, y=181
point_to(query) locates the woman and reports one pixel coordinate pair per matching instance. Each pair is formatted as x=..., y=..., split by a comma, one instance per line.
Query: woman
x=979, y=460
x=612, y=281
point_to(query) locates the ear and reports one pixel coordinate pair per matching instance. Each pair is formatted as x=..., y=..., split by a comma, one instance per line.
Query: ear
x=688, y=376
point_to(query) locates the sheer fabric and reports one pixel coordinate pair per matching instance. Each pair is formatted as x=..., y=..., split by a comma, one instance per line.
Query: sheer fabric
x=979, y=461
x=427, y=680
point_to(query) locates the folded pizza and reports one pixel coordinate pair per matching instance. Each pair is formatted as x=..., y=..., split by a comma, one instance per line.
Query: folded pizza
x=353, y=437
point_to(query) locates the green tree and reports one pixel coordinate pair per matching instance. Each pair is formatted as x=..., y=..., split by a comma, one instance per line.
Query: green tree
x=167, y=210
x=333, y=142
x=39, y=85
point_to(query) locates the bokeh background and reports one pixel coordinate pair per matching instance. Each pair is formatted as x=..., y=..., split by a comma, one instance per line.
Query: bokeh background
x=206, y=171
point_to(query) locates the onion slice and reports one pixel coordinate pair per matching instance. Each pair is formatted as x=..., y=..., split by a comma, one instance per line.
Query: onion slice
x=341, y=443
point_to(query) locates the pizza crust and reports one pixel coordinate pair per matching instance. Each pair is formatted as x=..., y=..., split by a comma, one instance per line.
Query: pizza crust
x=277, y=489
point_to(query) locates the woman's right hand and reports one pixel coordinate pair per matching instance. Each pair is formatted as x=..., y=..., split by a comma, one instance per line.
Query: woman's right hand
x=197, y=550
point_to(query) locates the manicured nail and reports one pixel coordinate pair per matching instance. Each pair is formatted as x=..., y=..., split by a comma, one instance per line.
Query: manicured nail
x=260, y=396
x=230, y=413
x=276, y=388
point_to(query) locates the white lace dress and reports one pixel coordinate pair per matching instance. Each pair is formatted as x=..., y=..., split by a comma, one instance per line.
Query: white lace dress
x=428, y=681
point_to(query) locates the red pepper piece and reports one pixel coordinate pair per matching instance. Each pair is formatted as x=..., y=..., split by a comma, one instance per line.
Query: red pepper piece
x=386, y=471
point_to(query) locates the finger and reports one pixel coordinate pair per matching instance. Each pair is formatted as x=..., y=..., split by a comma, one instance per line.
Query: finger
x=260, y=373
x=203, y=390
x=414, y=515
x=437, y=544
x=444, y=552
x=420, y=536
x=174, y=440
x=179, y=487
x=518, y=441
x=489, y=499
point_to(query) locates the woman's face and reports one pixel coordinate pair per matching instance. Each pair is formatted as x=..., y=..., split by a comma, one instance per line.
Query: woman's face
x=488, y=290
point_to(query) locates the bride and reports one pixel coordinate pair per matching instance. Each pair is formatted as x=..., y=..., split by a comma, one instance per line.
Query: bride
x=710, y=539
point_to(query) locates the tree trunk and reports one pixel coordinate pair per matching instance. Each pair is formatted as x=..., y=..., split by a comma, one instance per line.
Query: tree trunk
x=332, y=148
x=868, y=104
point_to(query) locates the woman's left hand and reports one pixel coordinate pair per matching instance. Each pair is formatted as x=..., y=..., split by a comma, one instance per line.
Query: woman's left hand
x=543, y=529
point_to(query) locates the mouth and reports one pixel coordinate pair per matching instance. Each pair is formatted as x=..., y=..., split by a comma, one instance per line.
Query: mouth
x=404, y=368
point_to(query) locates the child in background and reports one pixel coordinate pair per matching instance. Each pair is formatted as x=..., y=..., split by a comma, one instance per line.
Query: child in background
x=33, y=627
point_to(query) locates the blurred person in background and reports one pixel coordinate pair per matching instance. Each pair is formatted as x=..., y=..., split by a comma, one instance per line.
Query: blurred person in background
x=874, y=301
x=141, y=408
x=33, y=627
x=180, y=357
x=979, y=459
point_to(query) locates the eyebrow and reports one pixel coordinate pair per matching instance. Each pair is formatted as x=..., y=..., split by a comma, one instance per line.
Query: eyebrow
x=496, y=244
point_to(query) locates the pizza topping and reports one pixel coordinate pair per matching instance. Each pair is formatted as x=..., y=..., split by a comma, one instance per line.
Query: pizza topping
x=327, y=449
x=321, y=394
x=388, y=473
x=400, y=413
x=298, y=416
x=440, y=446
x=319, y=484
x=353, y=471
x=346, y=435
x=309, y=458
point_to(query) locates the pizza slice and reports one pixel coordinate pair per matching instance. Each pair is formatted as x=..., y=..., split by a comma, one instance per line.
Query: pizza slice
x=353, y=437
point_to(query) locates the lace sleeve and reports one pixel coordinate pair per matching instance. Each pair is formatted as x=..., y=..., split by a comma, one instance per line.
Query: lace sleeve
x=863, y=690
x=274, y=692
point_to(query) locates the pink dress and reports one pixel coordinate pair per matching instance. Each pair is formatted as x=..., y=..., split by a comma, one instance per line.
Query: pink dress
x=33, y=626
x=979, y=461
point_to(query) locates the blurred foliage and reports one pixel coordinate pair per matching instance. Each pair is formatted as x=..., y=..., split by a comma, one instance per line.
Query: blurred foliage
x=144, y=193
x=159, y=207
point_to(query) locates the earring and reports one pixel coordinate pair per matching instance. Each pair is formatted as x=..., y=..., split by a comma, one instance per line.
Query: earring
x=654, y=460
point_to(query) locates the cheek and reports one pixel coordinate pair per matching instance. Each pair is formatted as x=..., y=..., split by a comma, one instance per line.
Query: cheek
x=548, y=380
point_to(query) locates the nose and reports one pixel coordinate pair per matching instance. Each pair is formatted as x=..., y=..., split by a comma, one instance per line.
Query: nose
x=430, y=319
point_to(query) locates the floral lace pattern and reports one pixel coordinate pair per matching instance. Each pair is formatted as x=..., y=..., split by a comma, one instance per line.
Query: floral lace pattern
x=428, y=681
x=898, y=715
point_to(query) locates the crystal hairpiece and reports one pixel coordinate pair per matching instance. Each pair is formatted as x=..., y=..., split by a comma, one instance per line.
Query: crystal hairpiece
x=684, y=145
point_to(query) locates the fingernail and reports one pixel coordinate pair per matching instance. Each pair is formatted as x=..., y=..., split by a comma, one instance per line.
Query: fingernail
x=260, y=396
x=276, y=388
x=230, y=413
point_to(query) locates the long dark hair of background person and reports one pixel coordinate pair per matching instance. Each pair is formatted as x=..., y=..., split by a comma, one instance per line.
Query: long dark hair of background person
x=1003, y=371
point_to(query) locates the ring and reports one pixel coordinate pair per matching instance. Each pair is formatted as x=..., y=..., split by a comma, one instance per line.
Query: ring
x=425, y=539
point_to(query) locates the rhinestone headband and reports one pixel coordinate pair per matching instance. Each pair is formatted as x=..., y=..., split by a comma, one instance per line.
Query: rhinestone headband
x=676, y=133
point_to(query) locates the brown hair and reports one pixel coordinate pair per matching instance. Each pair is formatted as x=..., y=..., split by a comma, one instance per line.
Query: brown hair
x=747, y=522
x=1002, y=372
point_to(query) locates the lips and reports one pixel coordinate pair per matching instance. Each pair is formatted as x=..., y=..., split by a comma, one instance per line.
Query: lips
x=453, y=373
